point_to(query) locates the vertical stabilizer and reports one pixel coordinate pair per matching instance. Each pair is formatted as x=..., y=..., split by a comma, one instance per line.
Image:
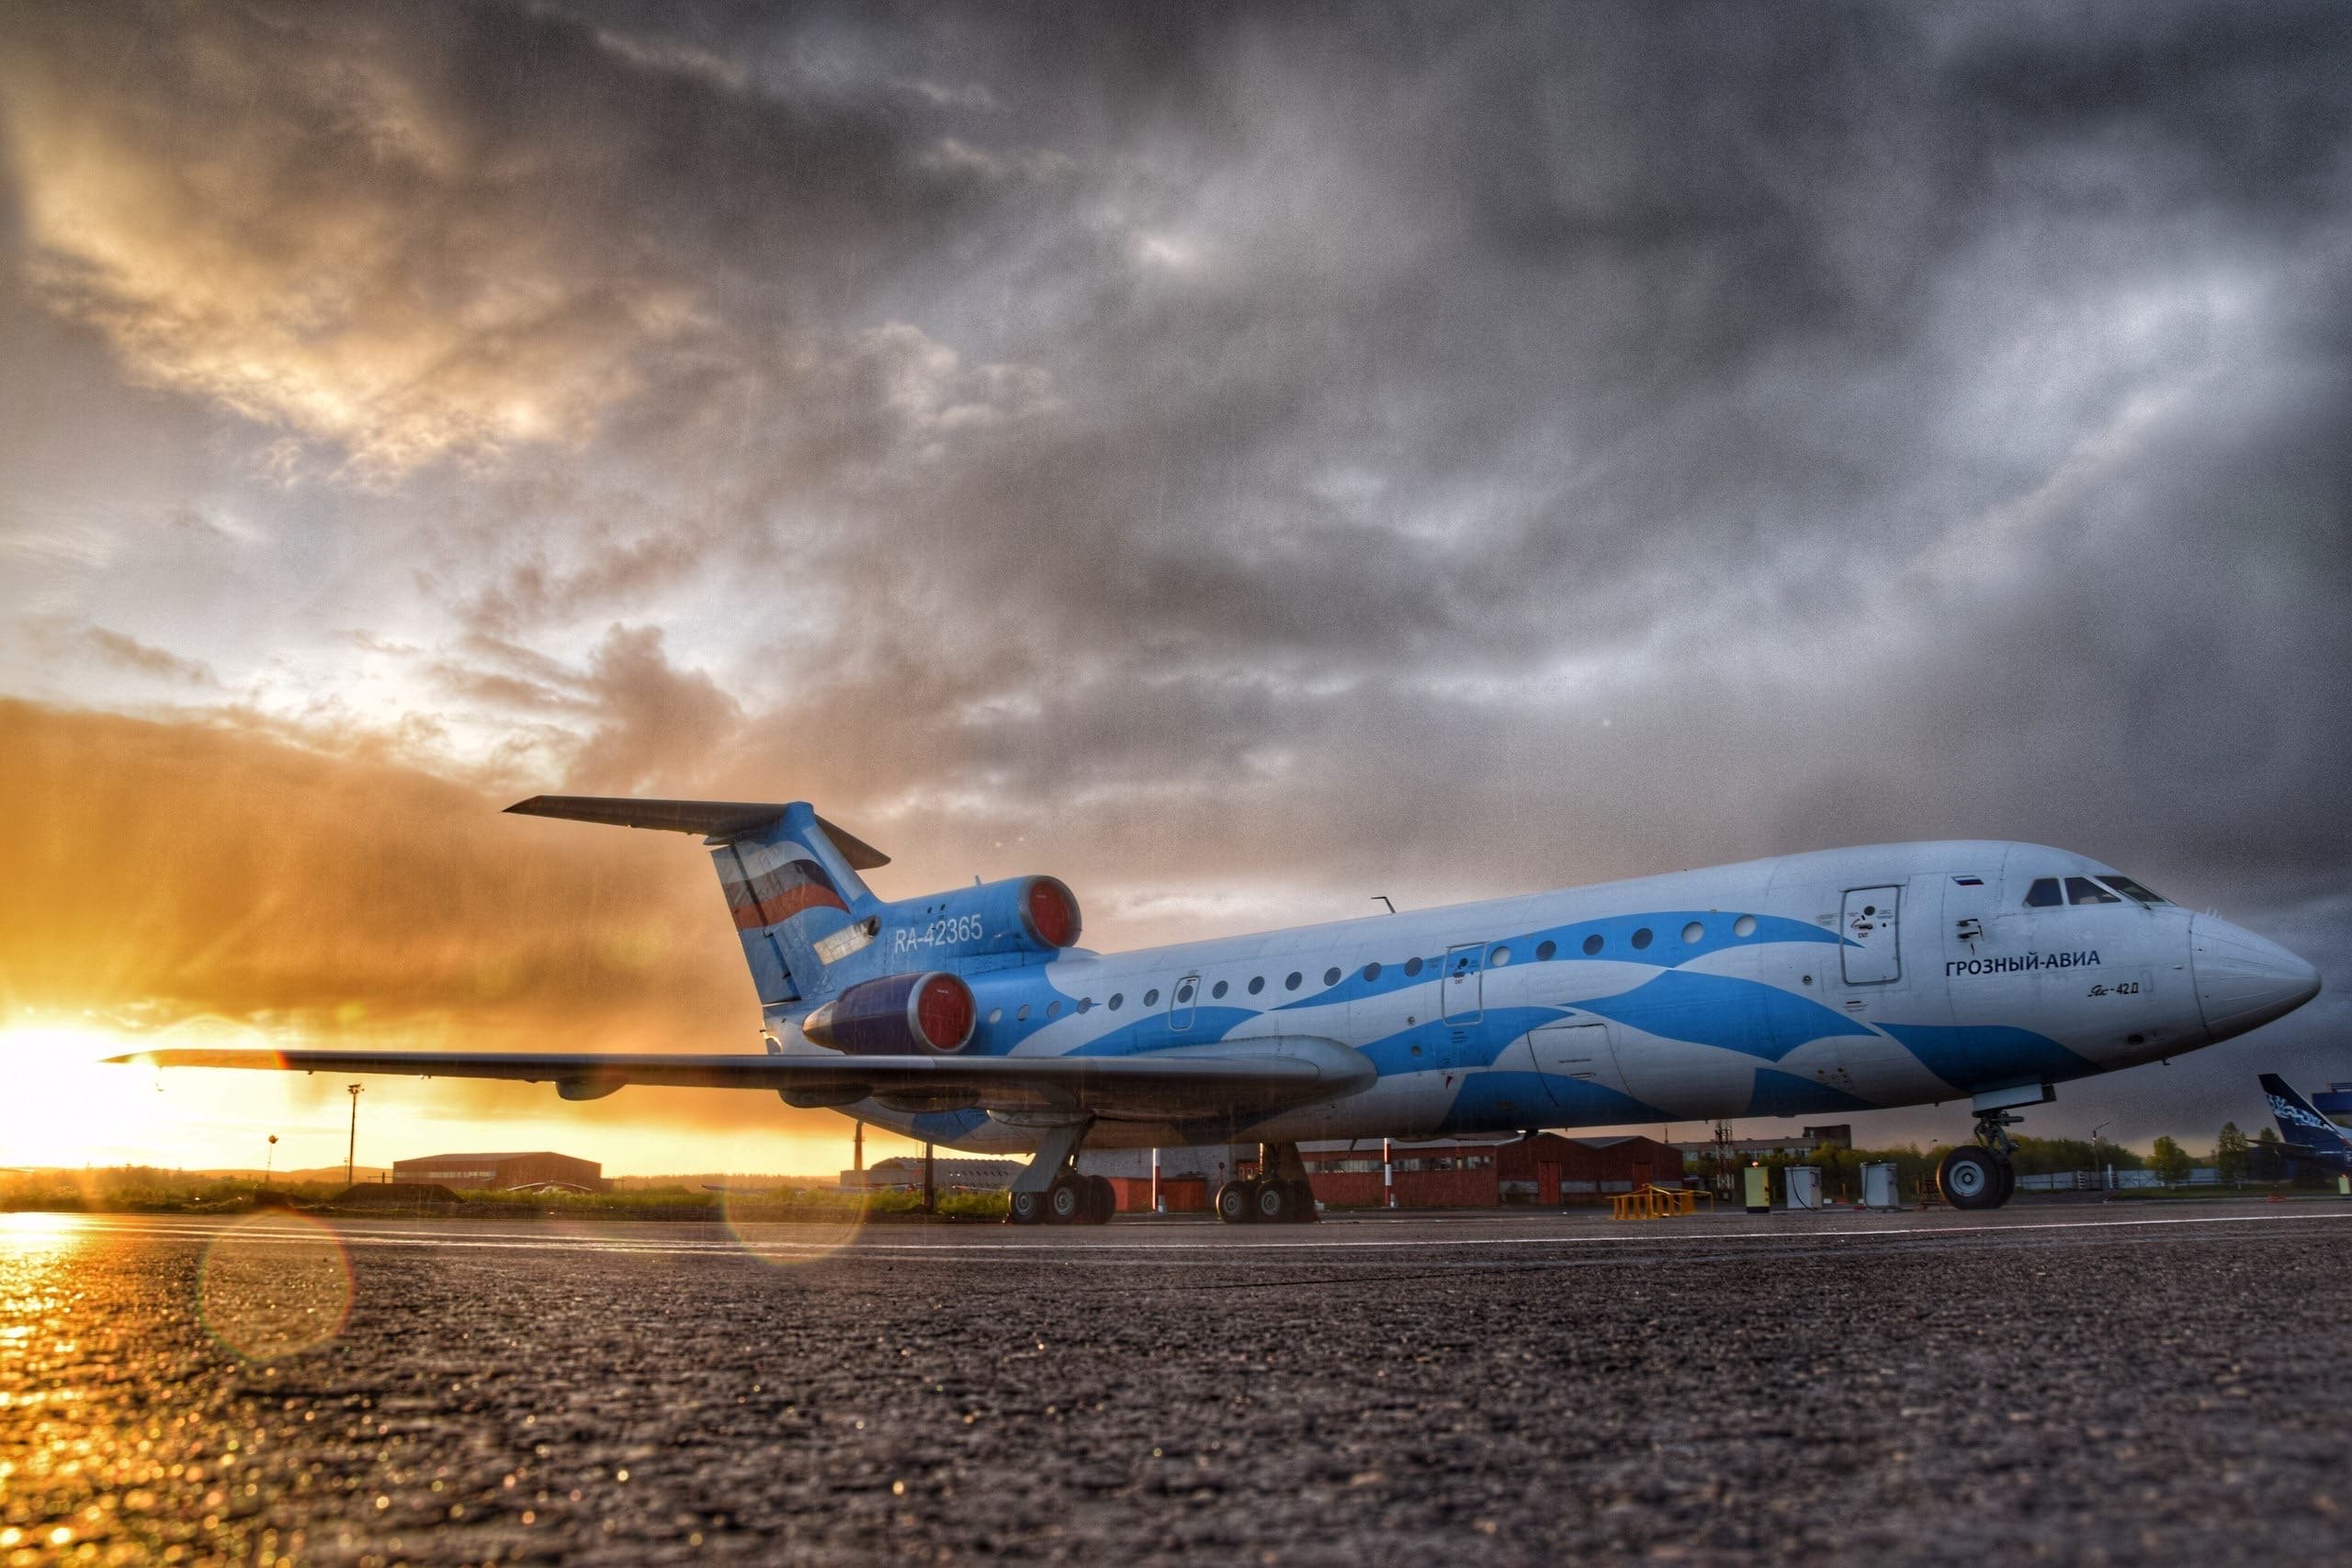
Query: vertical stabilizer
x=2299, y=1121
x=797, y=904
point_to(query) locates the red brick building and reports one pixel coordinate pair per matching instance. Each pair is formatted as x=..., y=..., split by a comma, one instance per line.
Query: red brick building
x=1548, y=1169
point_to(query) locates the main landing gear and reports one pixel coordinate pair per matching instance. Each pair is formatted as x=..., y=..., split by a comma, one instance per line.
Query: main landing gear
x=1279, y=1195
x=1051, y=1191
x=1981, y=1175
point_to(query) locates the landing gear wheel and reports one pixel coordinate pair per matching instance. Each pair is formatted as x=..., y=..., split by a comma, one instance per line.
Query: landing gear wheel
x=1273, y=1203
x=1237, y=1202
x=1970, y=1178
x=1025, y=1209
x=1102, y=1201
x=1303, y=1198
x=1066, y=1200
x=2009, y=1184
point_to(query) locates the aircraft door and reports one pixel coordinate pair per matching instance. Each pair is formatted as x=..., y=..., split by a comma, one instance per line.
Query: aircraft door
x=1459, y=991
x=1182, y=998
x=1570, y=1055
x=1871, y=953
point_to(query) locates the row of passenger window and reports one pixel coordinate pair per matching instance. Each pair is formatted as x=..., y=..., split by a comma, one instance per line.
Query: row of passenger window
x=2052, y=892
x=1496, y=956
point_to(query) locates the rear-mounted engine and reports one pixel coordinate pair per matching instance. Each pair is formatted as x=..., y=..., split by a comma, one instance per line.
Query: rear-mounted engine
x=1021, y=914
x=897, y=1015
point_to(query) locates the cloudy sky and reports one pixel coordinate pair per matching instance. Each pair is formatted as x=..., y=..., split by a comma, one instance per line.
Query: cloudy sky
x=1239, y=459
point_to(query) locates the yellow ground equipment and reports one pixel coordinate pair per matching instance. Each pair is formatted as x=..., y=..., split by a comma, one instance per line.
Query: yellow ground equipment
x=1655, y=1203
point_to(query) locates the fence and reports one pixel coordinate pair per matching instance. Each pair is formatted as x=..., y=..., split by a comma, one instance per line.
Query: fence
x=2117, y=1181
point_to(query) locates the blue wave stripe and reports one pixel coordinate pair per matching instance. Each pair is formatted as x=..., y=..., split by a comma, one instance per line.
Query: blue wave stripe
x=1785, y=1094
x=1748, y=1016
x=1535, y=1099
x=1987, y=1055
x=1667, y=949
x=1432, y=1047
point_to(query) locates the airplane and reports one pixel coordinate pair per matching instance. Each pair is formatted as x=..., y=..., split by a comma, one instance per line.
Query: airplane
x=2309, y=1136
x=1822, y=982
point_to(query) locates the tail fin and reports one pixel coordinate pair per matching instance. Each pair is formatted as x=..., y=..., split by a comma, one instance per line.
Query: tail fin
x=2299, y=1123
x=790, y=878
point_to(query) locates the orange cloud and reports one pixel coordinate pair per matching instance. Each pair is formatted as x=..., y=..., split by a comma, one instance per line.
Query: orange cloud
x=163, y=872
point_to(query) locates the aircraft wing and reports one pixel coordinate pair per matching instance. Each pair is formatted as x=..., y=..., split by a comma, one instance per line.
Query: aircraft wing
x=1241, y=1077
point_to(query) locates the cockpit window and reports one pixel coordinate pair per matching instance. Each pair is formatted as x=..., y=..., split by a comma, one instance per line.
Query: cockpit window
x=2083, y=890
x=2043, y=894
x=2132, y=889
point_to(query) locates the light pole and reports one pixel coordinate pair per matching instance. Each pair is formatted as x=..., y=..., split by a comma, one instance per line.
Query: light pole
x=269, y=1161
x=351, y=1149
x=2098, y=1172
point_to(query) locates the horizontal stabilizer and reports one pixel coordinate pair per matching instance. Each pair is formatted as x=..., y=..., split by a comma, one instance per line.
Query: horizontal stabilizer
x=712, y=818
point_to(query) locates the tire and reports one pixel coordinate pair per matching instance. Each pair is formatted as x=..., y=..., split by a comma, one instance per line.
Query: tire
x=1237, y=1203
x=1025, y=1209
x=1970, y=1178
x=1305, y=1212
x=1066, y=1200
x=2009, y=1184
x=1273, y=1203
x=1102, y=1200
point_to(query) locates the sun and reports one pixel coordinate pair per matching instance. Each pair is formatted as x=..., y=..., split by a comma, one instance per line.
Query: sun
x=68, y=1107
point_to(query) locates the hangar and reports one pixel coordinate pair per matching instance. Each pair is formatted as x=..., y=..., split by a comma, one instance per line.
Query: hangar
x=503, y=1172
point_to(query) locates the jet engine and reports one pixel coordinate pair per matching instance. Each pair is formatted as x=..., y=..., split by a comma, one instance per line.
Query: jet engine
x=1021, y=914
x=897, y=1015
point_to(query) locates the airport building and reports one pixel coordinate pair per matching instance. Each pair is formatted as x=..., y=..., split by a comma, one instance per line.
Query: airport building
x=503, y=1172
x=1741, y=1150
x=1547, y=1169
x=1436, y=1174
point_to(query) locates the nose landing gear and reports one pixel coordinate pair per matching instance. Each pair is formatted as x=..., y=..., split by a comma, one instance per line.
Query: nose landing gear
x=1982, y=1175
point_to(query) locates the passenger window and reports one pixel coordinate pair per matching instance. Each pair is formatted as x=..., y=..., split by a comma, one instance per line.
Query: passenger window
x=2083, y=890
x=1219, y=988
x=2132, y=889
x=2043, y=894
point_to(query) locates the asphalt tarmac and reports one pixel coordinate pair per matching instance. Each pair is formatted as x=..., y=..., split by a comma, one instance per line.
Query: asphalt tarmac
x=2131, y=1383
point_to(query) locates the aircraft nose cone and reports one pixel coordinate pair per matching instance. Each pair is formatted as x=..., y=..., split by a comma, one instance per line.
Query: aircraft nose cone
x=2244, y=980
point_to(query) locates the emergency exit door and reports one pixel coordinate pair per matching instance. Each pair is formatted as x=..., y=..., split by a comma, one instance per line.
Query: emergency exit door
x=1459, y=987
x=1872, y=953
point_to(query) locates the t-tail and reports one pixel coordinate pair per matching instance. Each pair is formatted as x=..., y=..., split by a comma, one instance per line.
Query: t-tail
x=2308, y=1135
x=840, y=965
x=790, y=878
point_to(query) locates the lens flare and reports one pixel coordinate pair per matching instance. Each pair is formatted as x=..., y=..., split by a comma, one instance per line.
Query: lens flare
x=276, y=1285
x=793, y=1226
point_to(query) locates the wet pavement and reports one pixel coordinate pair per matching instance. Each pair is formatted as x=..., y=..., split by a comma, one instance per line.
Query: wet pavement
x=2126, y=1384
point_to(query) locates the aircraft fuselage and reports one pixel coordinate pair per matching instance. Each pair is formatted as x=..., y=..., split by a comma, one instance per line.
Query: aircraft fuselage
x=1815, y=984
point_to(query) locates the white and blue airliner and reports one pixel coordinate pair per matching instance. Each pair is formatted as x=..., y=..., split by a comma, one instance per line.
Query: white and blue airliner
x=1815, y=984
